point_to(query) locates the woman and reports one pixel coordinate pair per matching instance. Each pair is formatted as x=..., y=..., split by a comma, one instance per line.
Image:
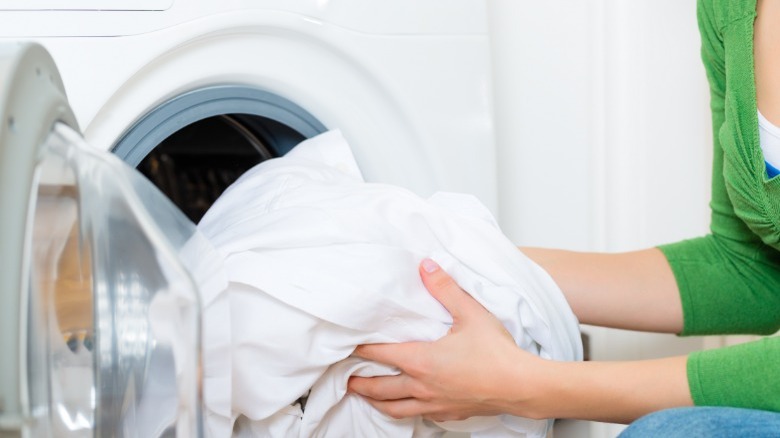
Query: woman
x=726, y=282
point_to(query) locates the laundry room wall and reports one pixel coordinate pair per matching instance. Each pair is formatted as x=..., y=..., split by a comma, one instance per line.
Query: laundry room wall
x=604, y=141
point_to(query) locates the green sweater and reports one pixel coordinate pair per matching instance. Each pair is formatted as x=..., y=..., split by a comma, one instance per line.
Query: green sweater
x=729, y=281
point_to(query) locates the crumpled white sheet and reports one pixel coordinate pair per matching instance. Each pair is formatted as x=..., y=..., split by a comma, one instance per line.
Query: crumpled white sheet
x=320, y=261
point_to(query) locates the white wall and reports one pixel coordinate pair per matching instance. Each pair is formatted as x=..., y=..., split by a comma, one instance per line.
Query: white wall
x=604, y=136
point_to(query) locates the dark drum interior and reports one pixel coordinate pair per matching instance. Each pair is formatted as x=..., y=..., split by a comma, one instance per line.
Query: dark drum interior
x=196, y=164
x=193, y=146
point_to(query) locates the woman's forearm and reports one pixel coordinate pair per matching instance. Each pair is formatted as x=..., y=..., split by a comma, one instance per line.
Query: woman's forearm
x=616, y=392
x=633, y=290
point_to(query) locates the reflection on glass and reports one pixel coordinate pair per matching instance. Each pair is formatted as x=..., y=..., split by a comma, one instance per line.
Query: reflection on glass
x=113, y=324
x=61, y=305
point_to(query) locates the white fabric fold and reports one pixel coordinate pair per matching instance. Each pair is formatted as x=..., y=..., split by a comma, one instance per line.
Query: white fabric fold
x=320, y=261
x=208, y=272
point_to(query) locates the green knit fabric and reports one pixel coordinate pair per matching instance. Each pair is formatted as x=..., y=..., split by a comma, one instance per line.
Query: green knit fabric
x=742, y=376
x=729, y=281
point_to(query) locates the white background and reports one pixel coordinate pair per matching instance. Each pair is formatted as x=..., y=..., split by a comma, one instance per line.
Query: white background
x=604, y=137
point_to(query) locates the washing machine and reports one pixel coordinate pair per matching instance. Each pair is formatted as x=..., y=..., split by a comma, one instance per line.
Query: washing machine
x=122, y=120
x=408, y=83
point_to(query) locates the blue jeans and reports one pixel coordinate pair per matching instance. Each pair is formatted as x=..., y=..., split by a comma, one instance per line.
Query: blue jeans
x=706, y=422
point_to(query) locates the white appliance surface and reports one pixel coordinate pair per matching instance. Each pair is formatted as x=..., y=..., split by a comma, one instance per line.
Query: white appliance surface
x=407, y=82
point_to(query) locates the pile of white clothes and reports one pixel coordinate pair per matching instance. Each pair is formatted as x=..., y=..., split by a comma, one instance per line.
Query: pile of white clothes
x=319, y=261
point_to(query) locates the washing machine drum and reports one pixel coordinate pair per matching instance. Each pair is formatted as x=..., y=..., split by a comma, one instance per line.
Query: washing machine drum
x=99, y=316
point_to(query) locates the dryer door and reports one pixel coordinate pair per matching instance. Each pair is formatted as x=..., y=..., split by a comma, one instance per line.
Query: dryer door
x=99, y=318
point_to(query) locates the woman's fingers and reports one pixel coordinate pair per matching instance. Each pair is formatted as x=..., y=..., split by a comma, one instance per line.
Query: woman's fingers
x=396, y=387
x=408, y=407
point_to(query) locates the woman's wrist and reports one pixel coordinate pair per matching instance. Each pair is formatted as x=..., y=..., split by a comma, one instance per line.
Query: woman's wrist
x=522, y=385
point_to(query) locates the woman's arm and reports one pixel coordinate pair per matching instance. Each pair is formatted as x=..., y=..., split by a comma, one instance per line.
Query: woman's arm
x=476, y=369
x=633, y=290
x=766, y=46
x=616, y=392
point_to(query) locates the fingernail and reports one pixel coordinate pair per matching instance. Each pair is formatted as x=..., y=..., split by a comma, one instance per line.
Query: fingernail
x=429, y=265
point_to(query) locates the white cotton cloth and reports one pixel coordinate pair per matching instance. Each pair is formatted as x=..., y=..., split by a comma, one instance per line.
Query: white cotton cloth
x=320, y=261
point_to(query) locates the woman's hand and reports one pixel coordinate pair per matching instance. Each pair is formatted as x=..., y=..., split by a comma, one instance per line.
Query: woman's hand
x=476, y=369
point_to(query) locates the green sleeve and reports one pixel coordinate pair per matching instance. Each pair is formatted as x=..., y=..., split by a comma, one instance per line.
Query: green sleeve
x=744, y=376
x=729, y=281
x=726, y=287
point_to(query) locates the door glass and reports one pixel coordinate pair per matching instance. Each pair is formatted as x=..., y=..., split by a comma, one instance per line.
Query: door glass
x=61, y=306
x=114, y=323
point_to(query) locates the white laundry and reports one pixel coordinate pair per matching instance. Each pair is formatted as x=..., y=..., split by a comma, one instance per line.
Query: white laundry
x=320, y=261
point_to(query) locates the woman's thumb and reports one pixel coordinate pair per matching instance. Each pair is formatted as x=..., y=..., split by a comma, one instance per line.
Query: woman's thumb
x=443, y=288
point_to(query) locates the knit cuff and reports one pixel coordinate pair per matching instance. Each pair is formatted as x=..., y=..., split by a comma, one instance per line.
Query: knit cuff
x=744, y=376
